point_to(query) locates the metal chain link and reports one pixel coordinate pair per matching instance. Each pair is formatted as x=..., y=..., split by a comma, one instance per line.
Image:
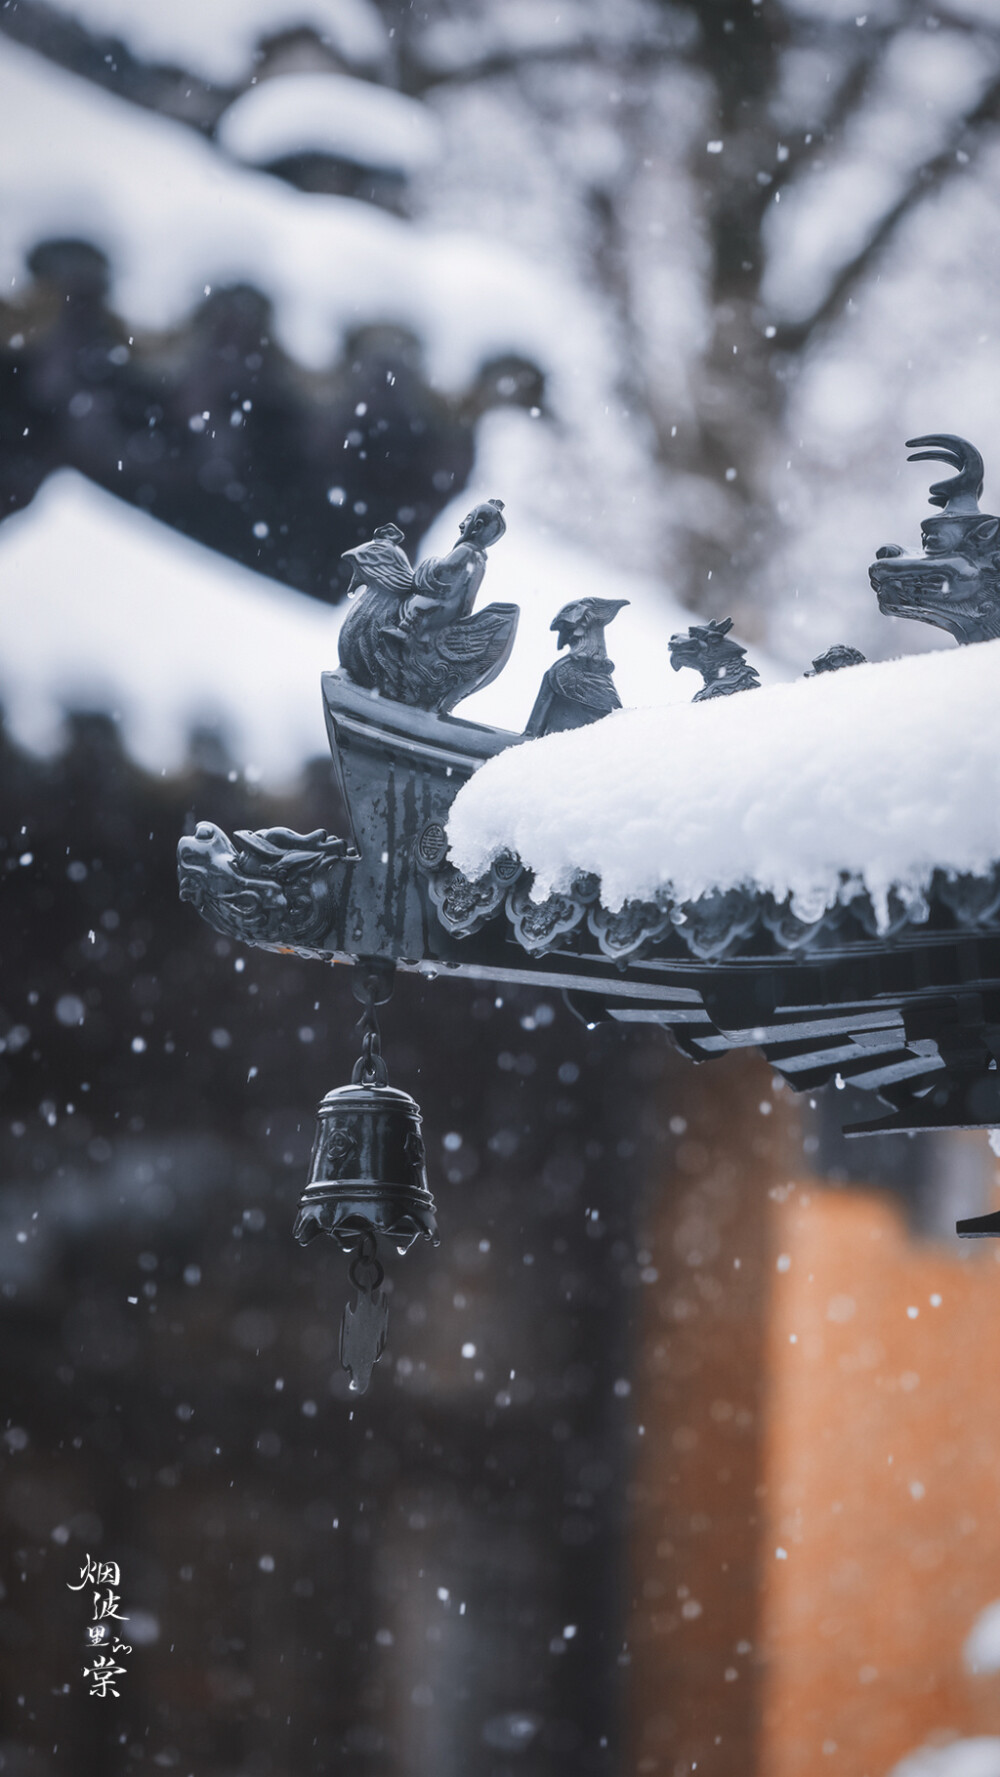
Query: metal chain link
x=366, y=1260
x=369, y=1069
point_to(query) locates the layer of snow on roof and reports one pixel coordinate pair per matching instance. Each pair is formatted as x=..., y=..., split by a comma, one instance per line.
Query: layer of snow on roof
x=175, y=218
x=962, y=1758
x=102, y=607
x=217, y=39
x=880, y=773
x=355, y=120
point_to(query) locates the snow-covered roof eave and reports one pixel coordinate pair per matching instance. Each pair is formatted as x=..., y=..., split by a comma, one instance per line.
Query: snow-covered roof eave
x=867, y=780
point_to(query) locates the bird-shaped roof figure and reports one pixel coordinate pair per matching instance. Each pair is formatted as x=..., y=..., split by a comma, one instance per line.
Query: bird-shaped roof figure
x=579, y=689
x=381, y=580
x=413, y=636
x=381, y=563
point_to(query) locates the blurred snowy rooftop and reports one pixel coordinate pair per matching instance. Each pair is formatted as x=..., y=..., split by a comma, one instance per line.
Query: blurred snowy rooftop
x=103, y=608
x=176, y=218
x=316, y=113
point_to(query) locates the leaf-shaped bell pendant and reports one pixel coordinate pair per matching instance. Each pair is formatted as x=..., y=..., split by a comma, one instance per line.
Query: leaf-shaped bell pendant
x=367, y=1180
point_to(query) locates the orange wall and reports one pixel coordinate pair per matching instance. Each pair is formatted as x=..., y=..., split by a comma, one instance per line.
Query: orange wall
x=699, y=1391
x=789, y=1401
x=881, y=1460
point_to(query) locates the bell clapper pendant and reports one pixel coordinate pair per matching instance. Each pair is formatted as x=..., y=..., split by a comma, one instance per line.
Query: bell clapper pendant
x=364, y=1327
x=367, y=1179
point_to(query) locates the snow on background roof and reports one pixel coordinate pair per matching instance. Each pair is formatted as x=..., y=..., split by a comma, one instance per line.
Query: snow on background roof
x=317, y=113
x=102, y=607
x=880, y=772
x=175, y=218
x=217, y=39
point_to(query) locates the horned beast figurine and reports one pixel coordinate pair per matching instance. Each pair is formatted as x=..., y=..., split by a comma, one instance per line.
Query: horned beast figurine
x=722, y=663
x=412, y=634
x=955, y=584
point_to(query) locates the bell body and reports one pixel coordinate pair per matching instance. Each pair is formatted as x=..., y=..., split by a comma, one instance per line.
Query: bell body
x=367, y=1173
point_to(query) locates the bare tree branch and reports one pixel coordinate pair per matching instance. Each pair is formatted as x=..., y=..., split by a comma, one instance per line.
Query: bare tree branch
x=968, y=140
x=418, y=76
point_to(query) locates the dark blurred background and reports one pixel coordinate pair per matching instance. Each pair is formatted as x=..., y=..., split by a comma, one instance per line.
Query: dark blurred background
x=544, y=1541
x=312, y=1582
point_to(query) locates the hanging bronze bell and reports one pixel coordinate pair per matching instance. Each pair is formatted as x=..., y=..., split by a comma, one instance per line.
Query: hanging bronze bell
x=367, y=1175
x=367, y=1181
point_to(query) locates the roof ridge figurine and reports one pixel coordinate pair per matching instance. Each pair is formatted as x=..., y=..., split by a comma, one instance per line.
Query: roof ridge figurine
x=412, y=634
x=955, y=583
x=721, y=662
x=579, y=689
x=835, y=659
